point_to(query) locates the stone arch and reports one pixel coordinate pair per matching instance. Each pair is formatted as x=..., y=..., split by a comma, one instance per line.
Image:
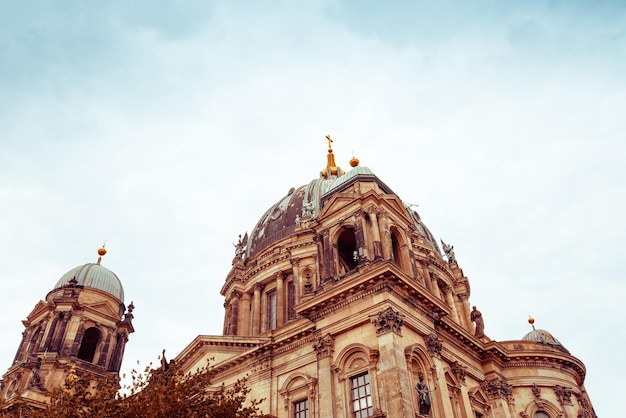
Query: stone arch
x=399, y=248
x=296, y=388
x=89, y=344
x=418, y=363
x=542, y=405
x=345, y=247
x=356, y=363
x=352, y=358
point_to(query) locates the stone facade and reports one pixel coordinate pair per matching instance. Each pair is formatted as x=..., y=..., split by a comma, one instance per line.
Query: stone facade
x=340, y=301
x=79, y=327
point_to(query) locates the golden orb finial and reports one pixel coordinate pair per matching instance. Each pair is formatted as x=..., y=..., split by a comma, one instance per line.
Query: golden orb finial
x=354, y=162
x=531, y=320
x=101, y=251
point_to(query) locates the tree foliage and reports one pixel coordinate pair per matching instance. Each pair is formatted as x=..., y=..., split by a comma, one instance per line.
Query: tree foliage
x=163, y=392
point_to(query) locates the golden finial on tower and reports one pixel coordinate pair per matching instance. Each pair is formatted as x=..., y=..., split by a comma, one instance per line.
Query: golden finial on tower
x=331, y=167
x=531, y=321
x=101, y=251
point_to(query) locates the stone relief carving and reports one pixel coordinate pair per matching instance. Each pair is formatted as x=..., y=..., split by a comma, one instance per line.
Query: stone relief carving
x=388, y=320
x=459, y=371
x=498, y=388
x=324, y=345
x=585, y=410
x=536, y=390
x=563, y=394
x=434, y=345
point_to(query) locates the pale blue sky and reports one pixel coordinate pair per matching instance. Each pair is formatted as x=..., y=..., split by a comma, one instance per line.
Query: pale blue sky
x=168, y=128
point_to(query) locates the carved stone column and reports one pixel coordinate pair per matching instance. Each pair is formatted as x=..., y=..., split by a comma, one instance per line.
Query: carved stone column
x=434, y=286
x=243, y=327
x=281, y=300
x=256, y=310
x=425, y=275
x=364, y=234
x=118, y=353
x=297, y=280
x=234, y=313
x=450, y=301
x=385, y=234
x=463, y=299
x=393, y=374
x=49, y=338
x=324, y=348
x=378, y=250
x=330, y=265
x=59, y=334
x=104, y=351
x=25, y=335
x=78, y=338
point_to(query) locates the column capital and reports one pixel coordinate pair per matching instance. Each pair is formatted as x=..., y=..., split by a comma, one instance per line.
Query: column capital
x=387, y=320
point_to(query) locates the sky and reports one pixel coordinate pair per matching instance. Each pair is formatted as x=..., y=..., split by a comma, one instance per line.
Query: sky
x=167, y=129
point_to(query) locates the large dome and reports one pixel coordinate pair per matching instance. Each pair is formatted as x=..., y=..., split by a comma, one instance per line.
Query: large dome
x=280, y=220
x=95, y=276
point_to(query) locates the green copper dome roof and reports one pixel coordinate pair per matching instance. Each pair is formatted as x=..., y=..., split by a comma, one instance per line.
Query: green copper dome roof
x=544, y=337
x=95, y=276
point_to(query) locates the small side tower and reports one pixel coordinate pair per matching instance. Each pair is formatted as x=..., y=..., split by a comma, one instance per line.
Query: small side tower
x=83, y=324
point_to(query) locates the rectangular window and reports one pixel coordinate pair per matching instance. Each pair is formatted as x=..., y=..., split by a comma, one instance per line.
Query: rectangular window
x=361, y=396
x=271, y=310
x=301, y=409
x=291, y=300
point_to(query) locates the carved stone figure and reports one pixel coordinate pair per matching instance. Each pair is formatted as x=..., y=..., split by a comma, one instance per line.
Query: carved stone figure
x=240, y=246
x=424, y=396
x=449, y=251
x=307, y=209
x=35, y=380
x=477, y=318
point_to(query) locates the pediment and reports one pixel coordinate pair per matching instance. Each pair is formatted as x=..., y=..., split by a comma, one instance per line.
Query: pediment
x=40, y=309
x=477, y=395
x=103, y=308
x=347, y=202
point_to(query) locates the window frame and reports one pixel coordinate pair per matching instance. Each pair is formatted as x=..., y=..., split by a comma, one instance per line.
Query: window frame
x=271, y=319
x=368, y=410
x=300, y=413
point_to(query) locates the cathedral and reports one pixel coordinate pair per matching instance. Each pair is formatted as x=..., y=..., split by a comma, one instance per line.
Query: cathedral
x=80, y=328
x=340, y=302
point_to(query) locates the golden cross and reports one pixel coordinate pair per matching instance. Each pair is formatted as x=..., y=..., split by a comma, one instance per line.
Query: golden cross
x=329, y=140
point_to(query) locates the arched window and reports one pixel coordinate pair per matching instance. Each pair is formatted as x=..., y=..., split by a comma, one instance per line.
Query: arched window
x=541, y=414
x=347, y=252
x=88, y=345
x=395, y=247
